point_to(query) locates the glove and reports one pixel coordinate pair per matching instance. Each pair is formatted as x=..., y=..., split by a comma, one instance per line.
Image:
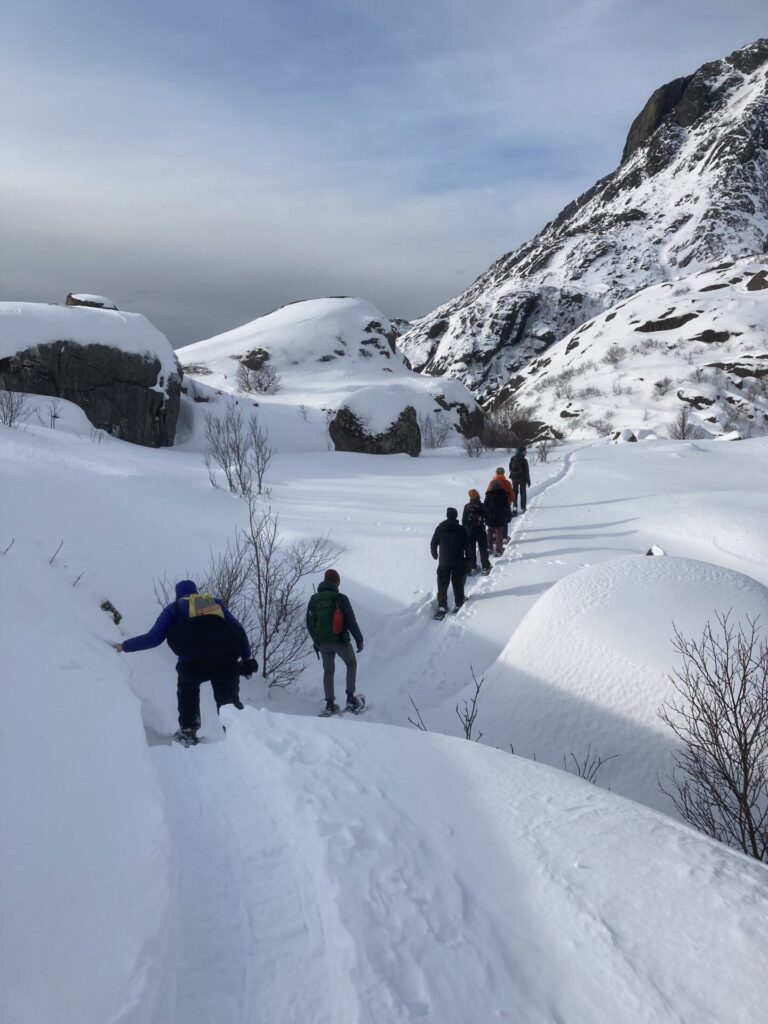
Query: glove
x=248, y=666
x=360, y=647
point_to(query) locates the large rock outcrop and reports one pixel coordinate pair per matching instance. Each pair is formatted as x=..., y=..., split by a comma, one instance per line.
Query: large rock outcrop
x=117, y=367
x=692, y=189
x=350, y=433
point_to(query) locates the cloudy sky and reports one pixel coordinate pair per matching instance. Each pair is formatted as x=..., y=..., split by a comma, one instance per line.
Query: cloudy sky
x=204, y=161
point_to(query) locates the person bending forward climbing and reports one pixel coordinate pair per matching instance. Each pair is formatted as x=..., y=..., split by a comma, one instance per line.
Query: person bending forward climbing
x=330, y=620
x=208, y=640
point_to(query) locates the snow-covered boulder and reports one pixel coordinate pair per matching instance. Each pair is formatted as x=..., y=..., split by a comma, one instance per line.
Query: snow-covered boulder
x=116, y=366
x=588, y=667
x=326, y=351
x=376, y=428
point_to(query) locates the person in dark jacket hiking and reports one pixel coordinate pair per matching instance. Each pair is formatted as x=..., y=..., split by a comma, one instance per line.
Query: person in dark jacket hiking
x=497, y=513
x=450, y=547
x=208, y=641
x=473, y=521
x=331, y=621
x=520, y=475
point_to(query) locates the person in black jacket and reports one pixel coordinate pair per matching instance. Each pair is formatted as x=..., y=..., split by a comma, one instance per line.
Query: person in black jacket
x=497, y=515
x=473, y=521
x=450, y=547
x=520, y=475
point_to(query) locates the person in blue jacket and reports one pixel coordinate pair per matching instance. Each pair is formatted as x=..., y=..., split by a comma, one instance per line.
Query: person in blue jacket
x=208, y=641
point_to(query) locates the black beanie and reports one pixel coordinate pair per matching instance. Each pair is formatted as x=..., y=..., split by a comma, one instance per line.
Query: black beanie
x=451, y=513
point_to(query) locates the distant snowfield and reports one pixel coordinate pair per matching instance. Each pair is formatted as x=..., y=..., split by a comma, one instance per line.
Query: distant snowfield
x=347, y=871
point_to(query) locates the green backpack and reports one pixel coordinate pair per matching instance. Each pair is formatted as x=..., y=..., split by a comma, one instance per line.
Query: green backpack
x=325, y=618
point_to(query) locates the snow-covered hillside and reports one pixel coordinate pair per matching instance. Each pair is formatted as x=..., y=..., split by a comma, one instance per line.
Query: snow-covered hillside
x=335, y=872
x=691, y=189
x=700, y=343
x=327, y=353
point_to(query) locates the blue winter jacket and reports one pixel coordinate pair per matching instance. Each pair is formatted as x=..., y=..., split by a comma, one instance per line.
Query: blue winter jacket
x=168, y=616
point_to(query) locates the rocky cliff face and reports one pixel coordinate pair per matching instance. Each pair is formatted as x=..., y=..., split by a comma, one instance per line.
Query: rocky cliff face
x=692, y=188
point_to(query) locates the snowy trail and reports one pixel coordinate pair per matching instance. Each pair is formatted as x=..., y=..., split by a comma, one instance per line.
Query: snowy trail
x=317, y=884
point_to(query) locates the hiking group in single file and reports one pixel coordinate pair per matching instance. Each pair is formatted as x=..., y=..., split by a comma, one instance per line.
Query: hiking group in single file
x=212, y=646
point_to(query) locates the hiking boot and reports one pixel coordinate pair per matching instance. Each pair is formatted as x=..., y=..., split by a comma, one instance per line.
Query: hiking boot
x=331, y=707
x=487, y=571
x=353, y=702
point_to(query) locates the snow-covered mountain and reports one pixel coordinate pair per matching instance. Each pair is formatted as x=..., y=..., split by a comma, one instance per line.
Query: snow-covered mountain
x=691, y=189
x=699, y=343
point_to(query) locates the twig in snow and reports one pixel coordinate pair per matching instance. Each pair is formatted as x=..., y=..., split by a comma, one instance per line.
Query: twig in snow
x=53, y=556
x=420, y=723
x=6, y=550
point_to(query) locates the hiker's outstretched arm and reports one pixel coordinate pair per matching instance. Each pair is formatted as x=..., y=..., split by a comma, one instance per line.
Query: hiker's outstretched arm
x=155, y=636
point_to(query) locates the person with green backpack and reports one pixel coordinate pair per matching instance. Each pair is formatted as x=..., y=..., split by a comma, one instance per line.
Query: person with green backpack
x=331, y=621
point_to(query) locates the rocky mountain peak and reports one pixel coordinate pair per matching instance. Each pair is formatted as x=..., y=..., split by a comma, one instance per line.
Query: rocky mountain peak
x=691, y=189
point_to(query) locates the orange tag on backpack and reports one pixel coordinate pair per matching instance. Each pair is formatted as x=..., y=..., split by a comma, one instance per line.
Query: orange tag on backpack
x=337, y=622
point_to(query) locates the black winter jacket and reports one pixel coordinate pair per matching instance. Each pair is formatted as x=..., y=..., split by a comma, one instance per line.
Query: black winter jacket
x=497, y=510
x=450, y=544
x=519, y=471
x=473, y=517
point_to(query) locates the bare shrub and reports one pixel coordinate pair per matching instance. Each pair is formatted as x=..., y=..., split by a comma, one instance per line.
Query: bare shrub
x=243, y=453
x=545, y=447
x=264, y=381
x=435, y=429
x=602, y=425
x=303, y=412
x=661, y=387
x=14, y=410
x=698, y=376
x=512, y=425
x=468, y=713
x=682, y=429
x=260, y=578
x=720, y=716
x=564, y=390
x=589, y=392
x=619, y=387
x=614, y=355
x=474, y=447
x=589, y=766
x=54, y=414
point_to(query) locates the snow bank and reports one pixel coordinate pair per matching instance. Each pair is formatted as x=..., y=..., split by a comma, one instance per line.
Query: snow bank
x=25, y=325
x=84, y=885
x=589, y=665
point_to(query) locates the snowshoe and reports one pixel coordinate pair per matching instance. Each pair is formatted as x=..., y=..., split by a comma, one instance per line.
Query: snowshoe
x=487, y=571
x=186, y=737
x=355, y=703
x=440, y=614
x=331, y=708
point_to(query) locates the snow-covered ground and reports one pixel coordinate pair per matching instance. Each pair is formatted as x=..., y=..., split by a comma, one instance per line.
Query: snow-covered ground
x=358, y=870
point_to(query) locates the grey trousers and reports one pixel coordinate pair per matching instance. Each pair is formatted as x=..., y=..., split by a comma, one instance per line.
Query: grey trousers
x=328, y=653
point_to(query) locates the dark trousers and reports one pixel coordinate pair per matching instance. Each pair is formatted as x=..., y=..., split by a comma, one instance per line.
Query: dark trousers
x=521, y=493
x=478, y=540
x=224, y=678
x=328, y=654
x=454, y=575
x=496, y=539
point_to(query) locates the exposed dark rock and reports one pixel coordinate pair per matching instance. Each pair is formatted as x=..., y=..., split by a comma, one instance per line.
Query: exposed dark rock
x=710, y=337
x=695, y=401
x=94, y=301
x=758, y=282
x=115, y=389
x=669, y=323
x=197, y=369
x=661, y=104
x=350, y=434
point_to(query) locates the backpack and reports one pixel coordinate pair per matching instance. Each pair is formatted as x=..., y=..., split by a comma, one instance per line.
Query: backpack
x=202, y=633
x=475, y=514
x=325, y=618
